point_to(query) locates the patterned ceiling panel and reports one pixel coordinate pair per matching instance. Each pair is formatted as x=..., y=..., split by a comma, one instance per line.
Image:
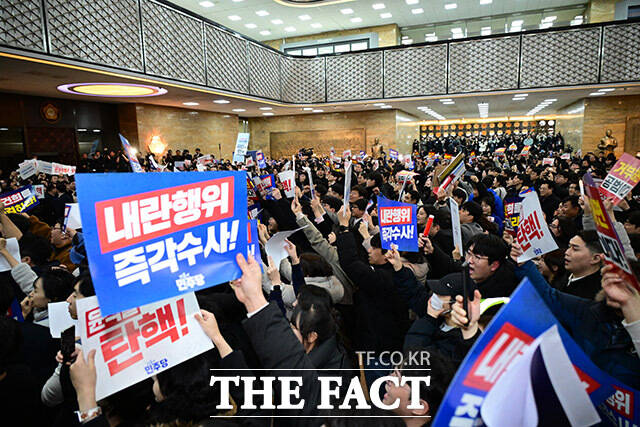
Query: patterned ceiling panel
x=303, y=80
x=415, y=71
x=173, y=43
x=621, y=53
x=227, y=60
x=264, y=72
x=560, y=58
x=101, y=31
x=483, y=65
x=354, y=76
x=21, y=24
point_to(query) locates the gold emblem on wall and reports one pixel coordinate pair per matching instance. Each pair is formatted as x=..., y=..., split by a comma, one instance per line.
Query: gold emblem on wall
x=50, y=112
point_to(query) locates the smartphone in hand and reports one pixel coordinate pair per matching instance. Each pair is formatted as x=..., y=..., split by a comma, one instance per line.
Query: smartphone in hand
x=68, y=344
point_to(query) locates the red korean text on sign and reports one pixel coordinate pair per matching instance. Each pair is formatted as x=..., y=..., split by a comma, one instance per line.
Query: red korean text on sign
x=395, y=215
x=496, y=357
x=128, y=220
x=121, y=334
x=528, y=229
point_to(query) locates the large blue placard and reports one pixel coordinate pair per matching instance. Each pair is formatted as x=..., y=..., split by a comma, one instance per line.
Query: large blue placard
x=154, y=236
x=398, y=224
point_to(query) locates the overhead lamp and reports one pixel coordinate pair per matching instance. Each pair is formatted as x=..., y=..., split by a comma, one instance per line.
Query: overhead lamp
x=234, y=18
x=238, y=110
x=112, y=90
x=606, y=89
x=316, y=25
x=417, y=11
x=276, y=21
x=448, y=102
x=379, y=104
x=251, y=26
x=206, y=4
x=262, y=13
x=407, y=41
x=317, y=111
x=346, y=11
x=378, y=6
x=266, y=108
x=517, y=23
x=265, y=33
x=385, y=15
x=456, y=30
x=549, y=19
x=450, y=6
x=410, y=2
x=190, y=104
x=386, y=106
x=267, y=114
x=356, y=20
x=304, y=17
x=290, y=29
x=221, y=101
x=486, y=1
x=596, y=93
x=82, y=130
x=485, y=31
x=307, y=109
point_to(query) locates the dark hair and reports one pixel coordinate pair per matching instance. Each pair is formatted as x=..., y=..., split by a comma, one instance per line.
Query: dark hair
x=489, y=201
x=21, y=222
x=310, y=317
x=376, y=242
x=57, y=284
x=555, y=259
x=574, y=200
x=489, y=245
x=592, y=241
x=414, y=194
x=567, y=229
x=7, y=294
x=130, y=405
x=550, y=184
x=10, y=342
x=360, y=204
x=333, y=202
x=376, y=177
x=313, y=265
x=361, y=191
x=460, y=193
x=85, y=284
x=35, y=247
x=634, y=219
x=188, y=396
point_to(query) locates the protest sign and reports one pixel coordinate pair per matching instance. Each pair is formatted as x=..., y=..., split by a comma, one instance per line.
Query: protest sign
x=455, y=169
x=275, y=245
x=59, y=318
x=347, y=182
x=15, y=311
x=71, y=217
x=310, y=175
x=260, y=159
x=398, y=224
x=455, y=226
x=58, y=169
x=287, y=178
x=548, y=161
x=146, y=235
x=512, y=209
x=362, y=155
x=508, y=335
x=131, y=154
x=178, y=165
x=393, y=154
x=20, y=200
x=613, y=249
x=249, y=161
x=264, y=184
x=500, y=152
x=205, y=160
x=45, y=167
x=14, y=249
x=621, y=179
x=346, y=154
x=531, y=402
x=242, y=144
x=253, y=247
x=200, y=168
x=39, y=191
x=405, y=176
x=533, y=233
x=525, y=150
x=565, y=156
x=136, y=344
x=28, y=168
x=513, y=147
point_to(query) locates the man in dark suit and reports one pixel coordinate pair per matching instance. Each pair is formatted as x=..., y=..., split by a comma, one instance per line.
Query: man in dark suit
x=548, y=200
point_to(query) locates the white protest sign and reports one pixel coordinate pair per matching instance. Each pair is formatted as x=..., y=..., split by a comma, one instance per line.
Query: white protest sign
x=59, y=169
x=310, y=180
x=200, y=168
x=242, y=144
x=455, y=226
x=133, y=345
x=28, y=168
x=38, y=190
x=548, y=161
x=533, y=234
x=249, y=161
x=45, y=167
x=346, y=153
x=178, y=165
x=72, y=216
x=59, y=318
x=347, y=180
x=14, y=250
x=275, y=245
x=287, y=178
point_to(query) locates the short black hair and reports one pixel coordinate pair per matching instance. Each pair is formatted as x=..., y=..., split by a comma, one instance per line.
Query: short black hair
x=57, y=284
x=35, y=247
x=85, y=284
x=634, y=219
x=592, y=241
x=360, y=204
x=333, y=202
x=489, y=245
x=574, y=200
x=313, y=265
x=460, y=193
x=376, y=242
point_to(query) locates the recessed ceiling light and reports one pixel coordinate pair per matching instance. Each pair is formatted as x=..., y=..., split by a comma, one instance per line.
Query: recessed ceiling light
x=448, y=102
x=407, y=41
x=417, y=11
x=356, y=20
x=551, y=100
x=517, y=23
x=265, y=33
x=486, y=1
x=316, y=25
x=289, y=29
x=485, y=31
x=266, y=108
x=237, y=1
x=410, y=2
x=545, y=25
x=307, y=108
x=549, y=19
x=456, y=30
x=596, y=93
x=96, y=131
x=378, y=6
x=608, y=89
x=318, y=111
x=262, y=13
x=112, y=90
x=267, y=114
x=221, y=101
x=304, y=17
x=206, y=4
x=385, y=15
x=238, y=110
x=234, y=18
x=82, y=130
x=346, y=11
x=450, y=6
x=430, y=37
x=251, y=26
x=276, y=21
x=190, y=103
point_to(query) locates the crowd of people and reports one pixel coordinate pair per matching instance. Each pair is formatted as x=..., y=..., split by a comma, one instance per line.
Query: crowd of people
x=338, y=293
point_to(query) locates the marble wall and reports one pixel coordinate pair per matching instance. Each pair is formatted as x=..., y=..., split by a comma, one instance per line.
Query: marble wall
x=570, y=124
x=180, y=128
x=407, y=129
x=379, y=124
x=611, y=112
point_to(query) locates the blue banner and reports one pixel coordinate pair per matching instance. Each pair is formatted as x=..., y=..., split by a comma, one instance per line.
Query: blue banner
x=20, y=200
x=398, y=224
x=15, y=311
x=260, y=159
x=131, y=154
x=154, y=236
x=504, y=339
x=393, y=154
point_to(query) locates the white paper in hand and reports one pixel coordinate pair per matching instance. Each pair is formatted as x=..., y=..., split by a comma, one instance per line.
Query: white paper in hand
x=14, y=250
x=59, y=318
x=275, y=245
x=455, y=226
x=72, y=216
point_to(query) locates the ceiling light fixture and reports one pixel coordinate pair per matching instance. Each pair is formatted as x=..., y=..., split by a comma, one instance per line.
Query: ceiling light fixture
x=307, y=109
x=221, y=101
x=607, y=89
x=190, y=104
x=450, y=6
x=378, y=6
x=386, y=106
x=346, y=11
x=410, y=2
x=316, y=25
x=485, y=31
x=417, y=11
x=432, y=113
x=385, y=15
x=318, y=111
x=234, y=18
x=289, y=29
x=267, y=114
x=262, y=13
x=251, y=26
x=304, y=17
x=112, y=90
x=596, y=93
x=276, y=21
x=356, y=20
x=483, y=109
x=206, y=4
x=486, y=1
x=448, y=102
x=266, y=108
x=265, y=33
x=238, y=110
x=549, y=18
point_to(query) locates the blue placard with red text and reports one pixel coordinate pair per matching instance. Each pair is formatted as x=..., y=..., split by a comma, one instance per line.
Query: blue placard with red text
x=502, y=341
x=398, y=224
x=154, y=236
x=260, y=159
x=21, y=200
x=393, y=154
